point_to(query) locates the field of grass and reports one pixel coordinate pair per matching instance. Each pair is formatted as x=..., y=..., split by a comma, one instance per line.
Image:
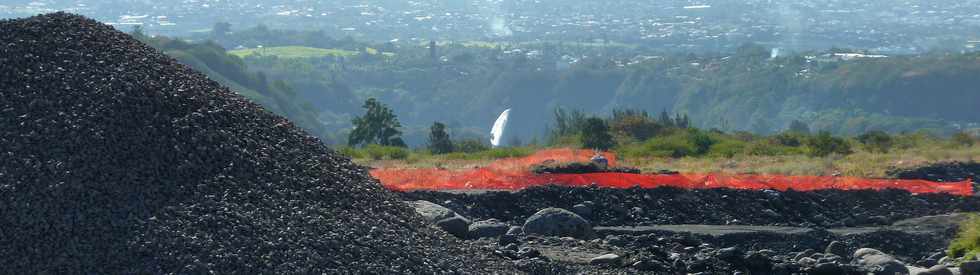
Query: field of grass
x=967, y=242
x=859, y=164
x=292, y=52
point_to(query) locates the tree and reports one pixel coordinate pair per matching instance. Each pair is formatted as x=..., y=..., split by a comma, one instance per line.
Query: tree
x=595, y=134
x=876, y=141
x=439, y=142
x=666, y=120
x=378, y=126
x=798, y=127
x=635, y=124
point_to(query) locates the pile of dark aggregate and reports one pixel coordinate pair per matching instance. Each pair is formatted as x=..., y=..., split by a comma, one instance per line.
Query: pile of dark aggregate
x=116, y=159
x=580, y=168
x=666, y=205
x=943, y=171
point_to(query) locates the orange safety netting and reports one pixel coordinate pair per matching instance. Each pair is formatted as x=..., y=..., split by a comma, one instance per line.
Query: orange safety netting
x=514, y=174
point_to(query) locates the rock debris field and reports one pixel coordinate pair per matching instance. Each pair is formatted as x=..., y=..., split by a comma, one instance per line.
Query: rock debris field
x=114, y=158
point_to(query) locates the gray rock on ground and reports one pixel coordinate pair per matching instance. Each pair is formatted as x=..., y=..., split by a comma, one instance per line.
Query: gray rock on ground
x=837, y=248
x=970, y=268
x=456, y=225
x=515, y=231
x=935, y=270
x=606, y=259
x=558, y=222
x=430, y=211
x=487, y=229
x=878, y=262
x=584, y=209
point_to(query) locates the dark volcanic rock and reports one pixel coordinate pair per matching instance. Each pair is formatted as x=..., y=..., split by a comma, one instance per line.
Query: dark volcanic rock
x=430, y=211
x=117, y=159
x=487, y=229
x=558, y=222
x=580, y=168
x=944, y=171
x=456, y=225
x=613, y=207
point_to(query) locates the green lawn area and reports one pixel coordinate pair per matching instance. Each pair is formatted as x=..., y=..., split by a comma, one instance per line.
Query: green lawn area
x=292, y=52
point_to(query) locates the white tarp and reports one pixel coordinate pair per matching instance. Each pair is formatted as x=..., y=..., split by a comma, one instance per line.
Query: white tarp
x=497, y=132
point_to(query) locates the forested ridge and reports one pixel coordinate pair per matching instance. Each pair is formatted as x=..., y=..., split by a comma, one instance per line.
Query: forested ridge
x=467, y=84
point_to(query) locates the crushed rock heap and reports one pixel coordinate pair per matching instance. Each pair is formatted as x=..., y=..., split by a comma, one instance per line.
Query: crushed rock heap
x=117, y=159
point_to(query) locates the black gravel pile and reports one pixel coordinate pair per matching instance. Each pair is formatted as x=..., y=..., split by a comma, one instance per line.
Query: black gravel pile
x=636, y=206
x=944, y=171
x=580, y=168
x=116, y=159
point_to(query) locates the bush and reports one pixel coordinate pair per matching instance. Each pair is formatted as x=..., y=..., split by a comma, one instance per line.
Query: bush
x=701, y=141
x=791, y=139
x=727, y=148
x=471, y=146
x=350, y=152
x=638, y=127
x=771, y=148
x=963, y=139
x=824, y=144
x=378, y=152
x=876, y=141
x=595, y=134
x=675, y=146
x=967, y=242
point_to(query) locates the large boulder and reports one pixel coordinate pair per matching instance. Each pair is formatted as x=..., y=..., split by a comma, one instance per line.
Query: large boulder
x=456, y=225
x=935, y=270
x=558, y=222
x=878, y=262
x=606, y=259
x=970, y=268
x=836, y=248
x=430, y=211
x=487, y=229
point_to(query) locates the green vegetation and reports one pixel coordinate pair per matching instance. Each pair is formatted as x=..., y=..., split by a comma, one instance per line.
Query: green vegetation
x=595, y=134
x=379, y=125
x=463, y=84
x=439, y=142
x=292, y=52
x=967, y=242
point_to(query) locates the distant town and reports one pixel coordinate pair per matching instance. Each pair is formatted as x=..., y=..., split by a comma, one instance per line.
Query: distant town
x=877, y=26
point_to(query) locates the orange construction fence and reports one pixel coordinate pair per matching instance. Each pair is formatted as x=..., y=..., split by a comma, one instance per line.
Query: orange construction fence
x=514, y=174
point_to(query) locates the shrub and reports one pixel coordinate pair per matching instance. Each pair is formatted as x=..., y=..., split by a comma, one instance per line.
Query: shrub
x=350, y=152
x=595, y=134
x=701, y=141
x=471, y=146
x=791, y=139
x=963, y=139
x=727, y=148
x=824, y=144
x=876, y=141
x=771, y=148
x=378, y=152
x=967, y=242
x=638, y=127
x=675, y=146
